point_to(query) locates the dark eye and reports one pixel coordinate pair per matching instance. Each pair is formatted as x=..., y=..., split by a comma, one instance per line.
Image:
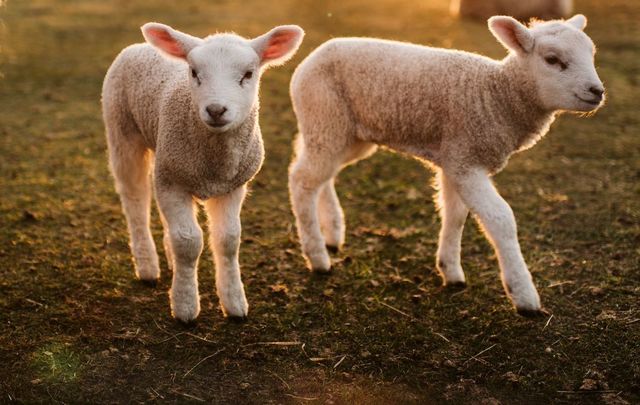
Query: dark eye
x=553, y=60
x=247, y=76
x=194, y=74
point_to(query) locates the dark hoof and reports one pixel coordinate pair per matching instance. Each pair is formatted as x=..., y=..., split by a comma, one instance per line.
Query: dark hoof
x=321, y=271
x=150, y=283
x=456, y=285
x=237, y=319
x=533, y=313
x=333, y=249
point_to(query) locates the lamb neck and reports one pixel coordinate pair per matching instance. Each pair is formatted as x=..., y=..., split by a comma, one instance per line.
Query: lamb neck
x=518, y=105
x=208, y=164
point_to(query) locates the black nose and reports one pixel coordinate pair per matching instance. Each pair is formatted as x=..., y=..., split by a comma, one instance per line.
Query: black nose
x=216, y=111
x=596, y=91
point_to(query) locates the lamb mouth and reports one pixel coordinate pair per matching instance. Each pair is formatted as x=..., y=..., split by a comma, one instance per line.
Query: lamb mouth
x=217, y=125
x=590, y=102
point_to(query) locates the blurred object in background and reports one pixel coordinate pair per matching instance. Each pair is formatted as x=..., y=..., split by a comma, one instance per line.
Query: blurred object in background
x=522, y=10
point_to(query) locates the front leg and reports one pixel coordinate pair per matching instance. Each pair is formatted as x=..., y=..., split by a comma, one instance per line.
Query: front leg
x=499, y=225
x=185, y=239
x=224, y=230
x=166, y=241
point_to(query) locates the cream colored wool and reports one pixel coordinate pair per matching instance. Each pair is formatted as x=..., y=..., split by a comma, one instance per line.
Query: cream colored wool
x=459, y=112
x=186, y=109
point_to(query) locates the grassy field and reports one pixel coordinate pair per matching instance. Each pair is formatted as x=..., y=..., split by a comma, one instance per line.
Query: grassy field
x=77, y=327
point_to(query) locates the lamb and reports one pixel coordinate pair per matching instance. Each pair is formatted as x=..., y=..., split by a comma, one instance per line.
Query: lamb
x=188, y=108
x=520, y=9
x=460, y=113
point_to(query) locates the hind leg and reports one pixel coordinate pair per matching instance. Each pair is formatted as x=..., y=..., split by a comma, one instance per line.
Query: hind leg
x=454, y=214
x=330, y=212
x=308, y=173
x=314, y=200
x=330, y=216
x=327, y=134
x=130, y=162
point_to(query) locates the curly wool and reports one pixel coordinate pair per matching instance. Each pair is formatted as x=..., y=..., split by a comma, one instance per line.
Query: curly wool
x=424, y=112
x=149, y=94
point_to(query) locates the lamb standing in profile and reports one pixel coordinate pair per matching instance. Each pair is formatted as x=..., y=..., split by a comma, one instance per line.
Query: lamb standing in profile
x=193, y=108
x=461, y=113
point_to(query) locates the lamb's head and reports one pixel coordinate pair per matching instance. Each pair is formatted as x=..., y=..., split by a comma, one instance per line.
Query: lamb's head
x=224, y=69
x=558, y=57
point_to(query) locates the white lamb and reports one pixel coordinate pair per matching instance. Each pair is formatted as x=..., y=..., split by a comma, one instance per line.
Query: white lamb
x=520, y=9
x=461, y=113
x=193, y=109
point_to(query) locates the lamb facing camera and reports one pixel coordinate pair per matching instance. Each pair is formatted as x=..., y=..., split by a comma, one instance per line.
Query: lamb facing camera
x=186, y=109
x=461, y=113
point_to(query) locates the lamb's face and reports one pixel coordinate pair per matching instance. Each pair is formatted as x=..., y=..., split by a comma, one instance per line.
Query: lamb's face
x=224, y=69
x=224, y=73
x=562, y=64
x=559, y=57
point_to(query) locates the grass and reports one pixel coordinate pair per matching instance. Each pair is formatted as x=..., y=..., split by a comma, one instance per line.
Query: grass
x=77, y=327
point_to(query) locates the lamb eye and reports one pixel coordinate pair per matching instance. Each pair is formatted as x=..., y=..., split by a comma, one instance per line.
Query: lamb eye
x=194, y=74
x=247, y=76
x=552, y=60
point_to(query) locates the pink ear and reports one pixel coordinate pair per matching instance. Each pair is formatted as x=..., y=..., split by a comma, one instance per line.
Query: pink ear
x=163, y=40
x=279, y=44
x=171, y=42
x=511, y=33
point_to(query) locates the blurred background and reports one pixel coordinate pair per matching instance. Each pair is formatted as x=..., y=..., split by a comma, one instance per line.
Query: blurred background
x=76, y=326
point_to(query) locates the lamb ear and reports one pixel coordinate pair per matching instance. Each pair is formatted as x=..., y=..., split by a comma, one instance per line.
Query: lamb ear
x=510, y=33
x=172, y=42
x=579, y=21
x=278, y=45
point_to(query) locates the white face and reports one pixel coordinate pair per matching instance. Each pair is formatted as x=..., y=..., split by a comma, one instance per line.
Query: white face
x=562, y=63
x=224, y=74
x=559, y=57
x=224, y=69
